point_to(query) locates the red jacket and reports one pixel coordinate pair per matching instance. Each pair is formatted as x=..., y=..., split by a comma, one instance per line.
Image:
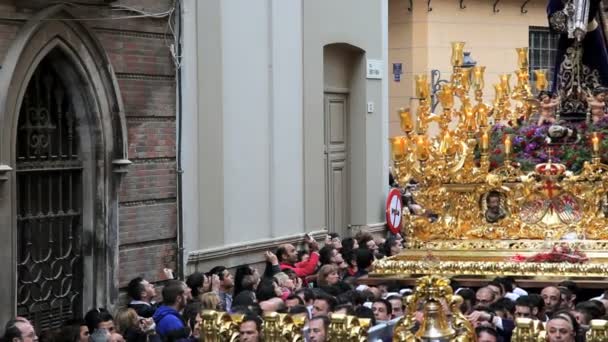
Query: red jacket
x=304, y=268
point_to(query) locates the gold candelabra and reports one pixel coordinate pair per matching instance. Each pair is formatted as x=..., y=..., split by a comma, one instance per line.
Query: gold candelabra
x=437, y=299
x=219, y=326
x=464, y=200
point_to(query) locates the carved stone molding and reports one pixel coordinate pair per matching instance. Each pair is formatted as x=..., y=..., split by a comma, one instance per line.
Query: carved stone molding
x=4, y=170
x=121, y=165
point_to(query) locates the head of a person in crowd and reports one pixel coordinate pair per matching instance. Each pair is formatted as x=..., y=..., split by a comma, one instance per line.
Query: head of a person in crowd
x=334, y=240
x=506, y=283
x=74, y=330
x=273, y=305
x=239, y=276
x=318, y=325
x=299, y=310
x=365, y=312
x=397, y=306
x=573, y=288
x=285, y=281
x=287, y=253
x=198, y=283
x=326, y=253
x=497, y=288
x=383, y=310
x=291, y=274
x=552, y=297
x=537, y=302
x=303, y=255
x=126, y=320
x=226, y=278
x=100, y=318
x=250, y=328
x=323, y=305
x=392, y=247
x=468, y=299
x=365, y=258
x=266, y=290
x=601, y=308
x=245, y=298
x=176, y=294
x=293, y=300
x=328, y=275
x=485, y=296
x=210, y=301
x=503, y=308
x=307, y=295
x=345, y=309
x=140, y=289
x=560, y=329
x=567, y=298
x=366, y=240
x=525, y=308
x=348, y=244
x=19, y=330
x=350, y=258
x=193, y=319
x=584, y=312
x=486, y=334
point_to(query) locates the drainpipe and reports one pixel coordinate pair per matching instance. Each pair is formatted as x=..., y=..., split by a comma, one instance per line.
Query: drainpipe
x=180, y=171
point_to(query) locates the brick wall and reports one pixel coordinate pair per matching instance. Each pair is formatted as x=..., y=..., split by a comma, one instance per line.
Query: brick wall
x=148, y=208
x=141, y=59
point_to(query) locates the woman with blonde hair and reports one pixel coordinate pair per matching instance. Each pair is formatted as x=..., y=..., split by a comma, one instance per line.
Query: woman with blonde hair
x=134, y=328
x=328, y=275
x=285, y=283
x=210, y=301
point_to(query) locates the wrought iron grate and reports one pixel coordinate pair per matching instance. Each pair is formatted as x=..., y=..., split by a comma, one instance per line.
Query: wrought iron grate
x=49, y=204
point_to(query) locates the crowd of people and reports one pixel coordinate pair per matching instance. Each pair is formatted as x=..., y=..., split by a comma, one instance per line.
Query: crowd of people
x=315, y=282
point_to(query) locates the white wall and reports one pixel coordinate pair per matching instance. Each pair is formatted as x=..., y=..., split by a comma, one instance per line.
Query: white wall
x=248, y=104
x=287, y=163
x=247, y=120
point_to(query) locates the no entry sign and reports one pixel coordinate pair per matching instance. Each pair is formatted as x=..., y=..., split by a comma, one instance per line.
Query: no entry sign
x=394, y=211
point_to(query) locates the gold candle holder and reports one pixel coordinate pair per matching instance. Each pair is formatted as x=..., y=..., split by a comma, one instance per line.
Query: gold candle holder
x=485, y=142
x=541, y=79
x=508, y=146
x=422, y=152
x=446, y=96
x=595, y=143
x=446, y=144
x=457, y=54
x=422, y=87
x=499, y=92
x=478, y=81
x=471, y=125
x=465, y=80
x=505, y=83
x=406, y=120
x=522, y=57
x=397, y=148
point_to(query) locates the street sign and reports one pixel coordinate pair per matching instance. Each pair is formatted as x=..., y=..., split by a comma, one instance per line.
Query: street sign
x=394, y=210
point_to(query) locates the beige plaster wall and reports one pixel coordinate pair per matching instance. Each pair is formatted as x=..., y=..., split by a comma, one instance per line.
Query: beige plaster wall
x=421, y=41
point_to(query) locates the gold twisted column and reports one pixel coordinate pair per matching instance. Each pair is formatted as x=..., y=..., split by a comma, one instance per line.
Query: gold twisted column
x=598, y=331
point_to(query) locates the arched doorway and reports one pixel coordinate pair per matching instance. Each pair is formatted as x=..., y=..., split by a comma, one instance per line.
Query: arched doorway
x=63, y=132
x=342, y=96
x=49, y=172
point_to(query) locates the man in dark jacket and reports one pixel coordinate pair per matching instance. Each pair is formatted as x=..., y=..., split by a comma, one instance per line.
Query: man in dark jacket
x=169, y=322
x=142, y=295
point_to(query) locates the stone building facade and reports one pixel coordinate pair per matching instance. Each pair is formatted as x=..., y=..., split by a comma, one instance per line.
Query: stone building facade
x=88, y=182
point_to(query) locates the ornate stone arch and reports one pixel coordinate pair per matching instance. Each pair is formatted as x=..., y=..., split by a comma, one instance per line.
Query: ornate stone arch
x=85, y=69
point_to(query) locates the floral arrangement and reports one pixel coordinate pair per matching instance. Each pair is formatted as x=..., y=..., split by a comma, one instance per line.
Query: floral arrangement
x=530, y=145
x=559, y=253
